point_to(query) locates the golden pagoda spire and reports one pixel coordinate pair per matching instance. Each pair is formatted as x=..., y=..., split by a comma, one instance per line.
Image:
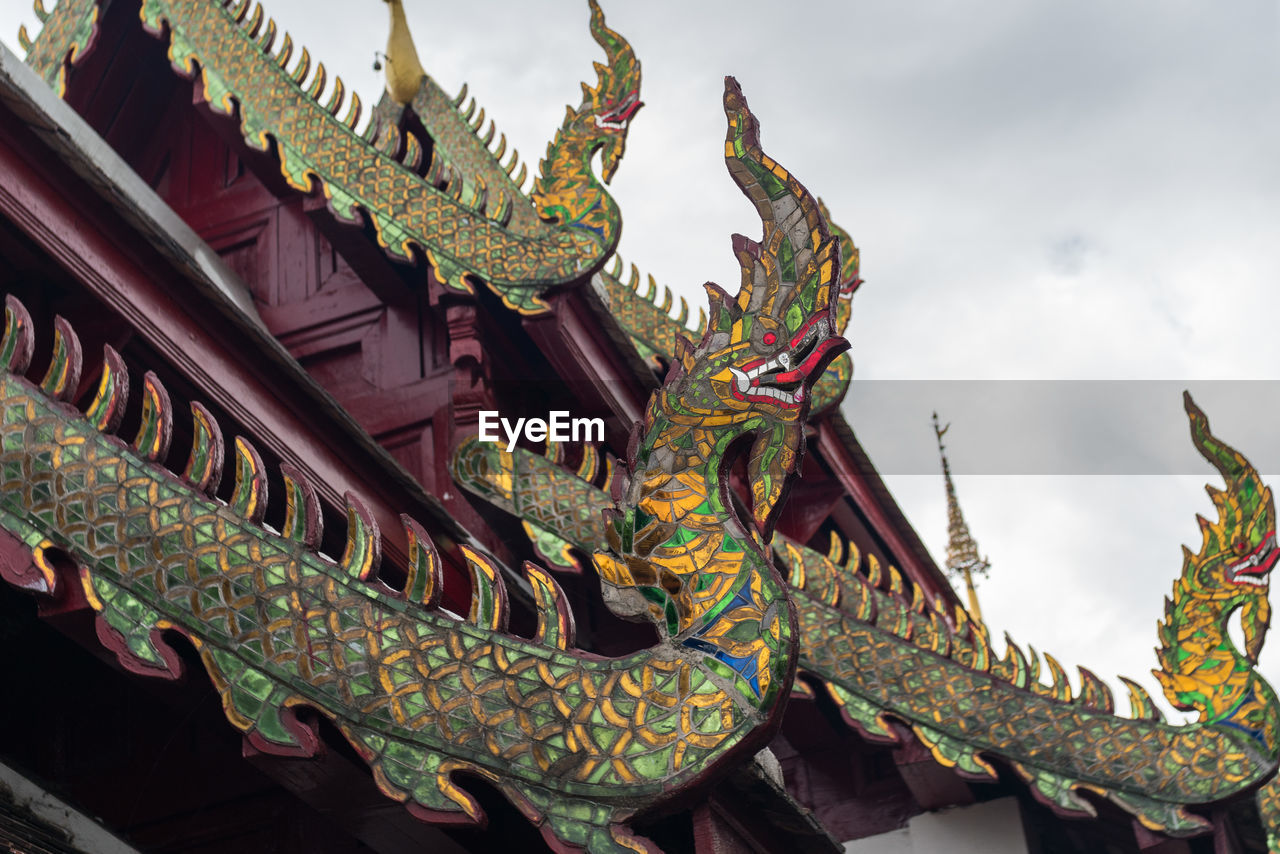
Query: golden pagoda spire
x=962, y=551
x=404, y=71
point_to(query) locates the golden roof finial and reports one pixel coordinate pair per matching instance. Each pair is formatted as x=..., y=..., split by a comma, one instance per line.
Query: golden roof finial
x=962, y=551
x=404, y=71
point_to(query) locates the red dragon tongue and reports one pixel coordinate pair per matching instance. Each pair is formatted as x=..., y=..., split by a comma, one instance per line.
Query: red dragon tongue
x=814, y=362
x=1254, y=567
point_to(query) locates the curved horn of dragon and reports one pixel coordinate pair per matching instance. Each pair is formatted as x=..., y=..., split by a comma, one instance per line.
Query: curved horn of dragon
x=579, y=743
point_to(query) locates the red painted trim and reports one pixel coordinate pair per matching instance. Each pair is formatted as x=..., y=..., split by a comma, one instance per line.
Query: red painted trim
x=112, y=640
x=908, y=552
x=573, y=340
x=18, y=566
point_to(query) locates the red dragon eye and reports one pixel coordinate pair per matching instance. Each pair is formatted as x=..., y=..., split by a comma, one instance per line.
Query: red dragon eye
x=769, y=338
x=1241, y=547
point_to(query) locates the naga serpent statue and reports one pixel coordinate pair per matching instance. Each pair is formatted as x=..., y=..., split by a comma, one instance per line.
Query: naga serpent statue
x=581, y=744
x=968, y=706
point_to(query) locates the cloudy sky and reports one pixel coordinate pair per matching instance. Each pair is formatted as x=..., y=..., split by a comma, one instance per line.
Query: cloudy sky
x=1041, y=191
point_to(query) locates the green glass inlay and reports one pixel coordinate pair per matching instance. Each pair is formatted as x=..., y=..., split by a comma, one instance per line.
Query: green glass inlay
x=786, y=260
x=199, y=452
x=681, y=536
x=10, y=343
x=271, y=725
x=57, y=368
x=721, y=668
x=150, y=426
x=773, y=187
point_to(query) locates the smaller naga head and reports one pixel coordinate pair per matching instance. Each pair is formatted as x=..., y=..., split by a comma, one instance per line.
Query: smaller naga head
x=615, y=99
x=1239, y=550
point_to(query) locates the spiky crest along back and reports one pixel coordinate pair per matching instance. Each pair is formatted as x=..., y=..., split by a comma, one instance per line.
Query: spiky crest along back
x=789, y=276
x=850, y=269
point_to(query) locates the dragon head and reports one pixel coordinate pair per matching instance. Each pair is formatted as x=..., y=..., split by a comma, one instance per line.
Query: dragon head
x=1239, y=550
x=615, y=99
x=679, y=554
x=762, y=350
x=566, y=191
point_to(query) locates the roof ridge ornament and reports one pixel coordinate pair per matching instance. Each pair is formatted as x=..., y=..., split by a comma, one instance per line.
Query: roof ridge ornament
x=403, y=69
x=962, y=550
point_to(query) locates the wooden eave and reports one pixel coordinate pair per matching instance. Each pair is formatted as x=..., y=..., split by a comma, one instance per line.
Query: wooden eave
x=126, y=247
x=587, y=348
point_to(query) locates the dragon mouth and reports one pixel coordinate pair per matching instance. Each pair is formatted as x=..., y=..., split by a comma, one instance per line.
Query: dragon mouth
x=781, y=379
x=1253, y=568
x=617, y=117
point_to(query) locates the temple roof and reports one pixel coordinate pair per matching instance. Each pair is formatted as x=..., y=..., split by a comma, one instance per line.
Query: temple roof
x=219, y=288
x=889, y=647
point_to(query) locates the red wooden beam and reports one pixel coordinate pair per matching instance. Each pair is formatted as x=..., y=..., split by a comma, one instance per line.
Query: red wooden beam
x=236, y=367
x=869, y=495
x=574, y=339
x=933, y=785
